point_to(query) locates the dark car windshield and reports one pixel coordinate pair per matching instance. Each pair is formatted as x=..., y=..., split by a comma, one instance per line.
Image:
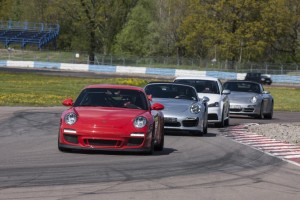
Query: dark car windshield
x=242, y=87
x=172, y=91
x=202, y=86
x=108, y=97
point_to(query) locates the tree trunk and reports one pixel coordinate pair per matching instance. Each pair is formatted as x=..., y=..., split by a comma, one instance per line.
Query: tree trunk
x=92, y=47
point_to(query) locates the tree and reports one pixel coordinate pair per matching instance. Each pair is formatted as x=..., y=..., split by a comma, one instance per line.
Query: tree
x=229, y=26
x=285, y=29
x=93, y=24
x=152, y=29
x=5, y=9
x=132, y=40
x=236, y=31
x=171, y=15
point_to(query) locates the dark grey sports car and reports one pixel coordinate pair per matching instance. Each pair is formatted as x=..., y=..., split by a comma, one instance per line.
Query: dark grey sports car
x=183, y=109
x=249, y=98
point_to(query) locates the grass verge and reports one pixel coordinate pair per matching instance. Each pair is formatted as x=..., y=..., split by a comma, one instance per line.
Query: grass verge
x=30, y=89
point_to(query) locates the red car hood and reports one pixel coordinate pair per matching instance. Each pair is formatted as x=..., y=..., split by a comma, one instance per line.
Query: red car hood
x=107, y=117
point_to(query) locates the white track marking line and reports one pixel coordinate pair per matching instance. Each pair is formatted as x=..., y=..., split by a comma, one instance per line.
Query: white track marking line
x=292, y=156
x=286, y=153
x=280, y=144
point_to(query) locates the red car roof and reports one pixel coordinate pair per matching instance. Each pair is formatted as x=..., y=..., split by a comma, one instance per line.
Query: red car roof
x=128, y=87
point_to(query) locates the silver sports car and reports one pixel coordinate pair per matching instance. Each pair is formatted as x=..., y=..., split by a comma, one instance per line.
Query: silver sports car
x=211, y=87
x=184, y=110
x=249, y=98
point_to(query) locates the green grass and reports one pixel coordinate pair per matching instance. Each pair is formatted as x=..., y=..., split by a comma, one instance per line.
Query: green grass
x=29, y=89
x=285, y=98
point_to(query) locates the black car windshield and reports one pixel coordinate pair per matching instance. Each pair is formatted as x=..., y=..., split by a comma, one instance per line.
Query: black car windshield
x=242, y=87
x=202, y=86
x=108, y=97
x=171, y=91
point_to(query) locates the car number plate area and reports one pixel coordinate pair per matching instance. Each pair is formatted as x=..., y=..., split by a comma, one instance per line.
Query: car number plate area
x=170, y=119
x=235, y=107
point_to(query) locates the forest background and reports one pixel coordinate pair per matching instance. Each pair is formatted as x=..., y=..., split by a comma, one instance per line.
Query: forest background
x=229, y=30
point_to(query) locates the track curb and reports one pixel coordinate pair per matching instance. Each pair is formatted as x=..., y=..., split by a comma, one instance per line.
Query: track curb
x=276, y=148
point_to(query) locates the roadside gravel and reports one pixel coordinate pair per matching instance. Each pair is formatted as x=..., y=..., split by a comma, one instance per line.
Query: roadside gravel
x=286, y=132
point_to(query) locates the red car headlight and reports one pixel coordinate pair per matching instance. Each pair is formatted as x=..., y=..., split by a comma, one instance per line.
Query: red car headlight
x=70, y=118
x=140, y=122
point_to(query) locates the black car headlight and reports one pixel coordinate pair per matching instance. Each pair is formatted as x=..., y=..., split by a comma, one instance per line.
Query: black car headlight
x=195, y=109
x=70, y=118
x=216, y=104
x=140, y=122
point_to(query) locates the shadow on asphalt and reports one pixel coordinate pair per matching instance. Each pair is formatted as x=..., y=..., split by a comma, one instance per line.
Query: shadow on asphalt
x=165, y=151
x=189, y=134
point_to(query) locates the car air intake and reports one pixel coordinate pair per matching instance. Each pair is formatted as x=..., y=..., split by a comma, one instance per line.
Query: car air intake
x=135, y=141
x=71, y=138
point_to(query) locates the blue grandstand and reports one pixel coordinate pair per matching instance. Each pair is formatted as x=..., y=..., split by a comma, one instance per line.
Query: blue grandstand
x=24, y=33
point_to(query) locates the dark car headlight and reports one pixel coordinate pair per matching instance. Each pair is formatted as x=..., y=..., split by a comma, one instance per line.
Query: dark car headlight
x=70, y=118
x=216, y=104
x=140, y=122
x=195, y=108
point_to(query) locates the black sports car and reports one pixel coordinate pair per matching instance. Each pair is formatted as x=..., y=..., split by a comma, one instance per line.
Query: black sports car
x=259, y=78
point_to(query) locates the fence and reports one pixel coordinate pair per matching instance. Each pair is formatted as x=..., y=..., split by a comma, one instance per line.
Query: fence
x=286, y=79
x=150, y=62
x=31, y=26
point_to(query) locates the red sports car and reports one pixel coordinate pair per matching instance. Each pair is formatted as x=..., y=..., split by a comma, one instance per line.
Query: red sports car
x=114, y=118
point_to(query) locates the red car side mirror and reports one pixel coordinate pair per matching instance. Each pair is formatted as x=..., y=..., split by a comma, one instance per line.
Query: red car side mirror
x=149, y=97
x=68, y=102
x=157, y=106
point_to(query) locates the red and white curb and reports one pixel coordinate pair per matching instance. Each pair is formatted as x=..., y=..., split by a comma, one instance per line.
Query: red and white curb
x=285, y=151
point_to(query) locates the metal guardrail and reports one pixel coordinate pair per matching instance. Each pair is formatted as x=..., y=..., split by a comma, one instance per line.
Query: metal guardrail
x=27, y=26
x=150, y=62
x=286, y=79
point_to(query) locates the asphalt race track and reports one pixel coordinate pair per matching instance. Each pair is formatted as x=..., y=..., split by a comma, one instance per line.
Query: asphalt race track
x=210, y=167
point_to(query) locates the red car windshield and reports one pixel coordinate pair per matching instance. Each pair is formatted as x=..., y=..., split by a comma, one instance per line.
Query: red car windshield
x=109, y=97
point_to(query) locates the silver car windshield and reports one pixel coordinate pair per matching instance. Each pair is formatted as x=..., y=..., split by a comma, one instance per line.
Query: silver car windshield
x=242, y=87
x=202, y=86
x=171, y=91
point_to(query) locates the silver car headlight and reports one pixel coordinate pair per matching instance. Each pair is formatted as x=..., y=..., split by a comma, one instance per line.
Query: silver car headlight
x=140, y=122
x=216, y=104
x=253, y=99
x=70, y=118
x=195, y=109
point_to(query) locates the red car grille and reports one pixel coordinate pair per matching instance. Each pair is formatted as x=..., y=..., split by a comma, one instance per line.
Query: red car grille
x=98, y=142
